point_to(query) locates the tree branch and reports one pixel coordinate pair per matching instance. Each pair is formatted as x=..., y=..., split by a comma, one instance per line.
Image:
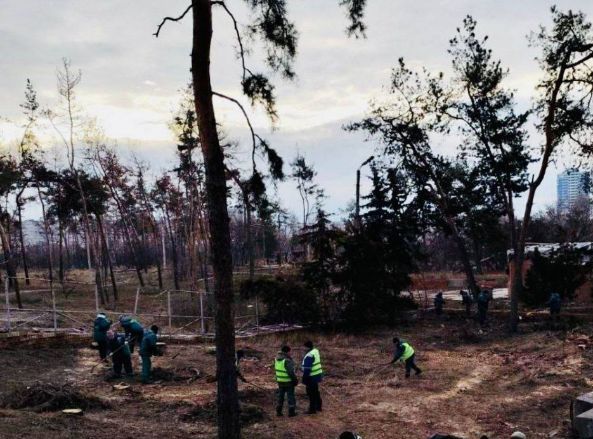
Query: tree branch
x=158, y=30
x=253, y=135
x=239, y=39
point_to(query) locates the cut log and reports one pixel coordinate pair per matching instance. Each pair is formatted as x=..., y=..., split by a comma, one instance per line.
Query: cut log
x=121, y=386
x=73, y=412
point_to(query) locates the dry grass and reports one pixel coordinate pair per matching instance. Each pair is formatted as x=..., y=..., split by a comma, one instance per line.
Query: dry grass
x=493, y=384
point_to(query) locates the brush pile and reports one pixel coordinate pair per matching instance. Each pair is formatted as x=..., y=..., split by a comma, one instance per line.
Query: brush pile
x=45, y=397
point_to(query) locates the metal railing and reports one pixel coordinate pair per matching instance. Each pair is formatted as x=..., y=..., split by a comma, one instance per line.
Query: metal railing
x=160, y=307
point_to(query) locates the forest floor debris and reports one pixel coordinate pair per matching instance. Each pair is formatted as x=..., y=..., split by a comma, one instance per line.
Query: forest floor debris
x=475, y=381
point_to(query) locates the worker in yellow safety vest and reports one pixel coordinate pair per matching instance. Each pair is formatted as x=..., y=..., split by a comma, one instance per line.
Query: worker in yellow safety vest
x=287, y=381
x=312, y=376
x=404, y=352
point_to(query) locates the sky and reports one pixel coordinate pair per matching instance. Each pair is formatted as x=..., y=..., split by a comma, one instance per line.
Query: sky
x=131, y=80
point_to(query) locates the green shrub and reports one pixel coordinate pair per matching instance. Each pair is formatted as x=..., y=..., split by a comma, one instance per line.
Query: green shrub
x=286, y=300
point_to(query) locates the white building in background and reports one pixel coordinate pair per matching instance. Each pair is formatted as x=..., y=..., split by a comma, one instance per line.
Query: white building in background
x=571, y=186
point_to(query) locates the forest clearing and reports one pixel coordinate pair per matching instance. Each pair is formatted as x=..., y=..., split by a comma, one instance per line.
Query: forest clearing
x=289, y=219
x=475, y=382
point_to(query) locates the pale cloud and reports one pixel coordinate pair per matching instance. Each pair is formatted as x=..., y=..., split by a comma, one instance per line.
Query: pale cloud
x=131, y=80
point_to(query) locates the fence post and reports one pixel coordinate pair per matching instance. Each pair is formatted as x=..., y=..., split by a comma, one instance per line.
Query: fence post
x=136, y=301
x=202, y=312
x=169, y=307
x=53, y=304
x=7, y=303
x=256, y=312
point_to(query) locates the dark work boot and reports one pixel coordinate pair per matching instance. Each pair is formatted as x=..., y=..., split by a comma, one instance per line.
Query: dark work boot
x=418, y=371
x=278, y=411
x=291, y=412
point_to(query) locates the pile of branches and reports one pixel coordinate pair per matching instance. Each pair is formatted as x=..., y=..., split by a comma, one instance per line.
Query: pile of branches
x=42, y=397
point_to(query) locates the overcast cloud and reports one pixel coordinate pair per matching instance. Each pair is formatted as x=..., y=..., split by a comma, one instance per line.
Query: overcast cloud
x=131, y=79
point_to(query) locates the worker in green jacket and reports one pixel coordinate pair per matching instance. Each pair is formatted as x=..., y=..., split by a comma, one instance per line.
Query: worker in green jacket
x=147, y=350
x=134, y=331
x=286, y=379
x=404, y=352
x=100, y=327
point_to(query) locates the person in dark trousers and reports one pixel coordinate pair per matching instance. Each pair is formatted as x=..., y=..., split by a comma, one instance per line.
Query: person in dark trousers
x=100, y=328
x=120, y=354
x=483, y=303
x=349, y=435
x=287, y=381
x=239, y=355
x=554, y=303
x=312, y=376
x=147, y=350
x=466, y=300
x=134, y=331
x=439, y=302
x=405, y=353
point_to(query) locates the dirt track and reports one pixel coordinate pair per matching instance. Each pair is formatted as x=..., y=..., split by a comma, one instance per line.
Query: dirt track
x=473, y=384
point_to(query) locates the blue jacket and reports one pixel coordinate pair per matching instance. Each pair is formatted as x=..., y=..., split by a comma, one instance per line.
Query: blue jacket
x=306, y=366
x=148, y=345
x=483, y=300
x=439, y=301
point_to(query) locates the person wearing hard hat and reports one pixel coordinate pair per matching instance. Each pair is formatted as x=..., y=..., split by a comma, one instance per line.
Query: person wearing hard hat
x=100, y=328
x=518, y=435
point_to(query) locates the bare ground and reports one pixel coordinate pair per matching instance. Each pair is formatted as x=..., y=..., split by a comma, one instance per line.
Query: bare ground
x=473, y=383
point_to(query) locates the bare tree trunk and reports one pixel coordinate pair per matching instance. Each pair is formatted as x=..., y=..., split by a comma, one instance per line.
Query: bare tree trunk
x=60, y=251
x=87, y=238
x=465, y=260
x=173, y=251
x=107, y=256
x=9, y=261
x=47, y=230
x=478, y=256
x=220, y=242
x=22, y=239
x=250, y=249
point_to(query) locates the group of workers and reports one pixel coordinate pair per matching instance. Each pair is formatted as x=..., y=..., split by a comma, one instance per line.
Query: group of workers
x=120, y=346
x=483, y=301
x=287, y=380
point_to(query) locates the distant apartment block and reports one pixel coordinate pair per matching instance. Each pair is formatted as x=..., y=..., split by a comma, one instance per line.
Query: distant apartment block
x=571, y=186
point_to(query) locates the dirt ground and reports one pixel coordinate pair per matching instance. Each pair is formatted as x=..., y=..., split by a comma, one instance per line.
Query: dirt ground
x=473, y=383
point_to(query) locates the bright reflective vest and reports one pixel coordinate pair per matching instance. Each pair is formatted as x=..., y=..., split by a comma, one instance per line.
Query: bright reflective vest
x=408, y=351
x=316, y=367
x=281, y=373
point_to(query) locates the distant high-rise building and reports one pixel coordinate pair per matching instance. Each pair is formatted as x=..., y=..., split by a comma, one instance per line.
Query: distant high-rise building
x=572, y=185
